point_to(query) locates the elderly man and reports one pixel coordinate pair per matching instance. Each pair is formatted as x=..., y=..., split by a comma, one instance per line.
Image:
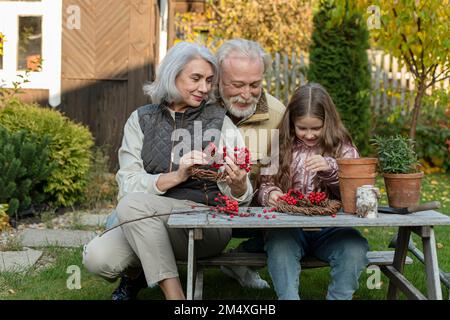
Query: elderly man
x=242, y=65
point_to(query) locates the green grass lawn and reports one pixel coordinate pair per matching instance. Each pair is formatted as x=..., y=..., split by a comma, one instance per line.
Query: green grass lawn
x=50, y=282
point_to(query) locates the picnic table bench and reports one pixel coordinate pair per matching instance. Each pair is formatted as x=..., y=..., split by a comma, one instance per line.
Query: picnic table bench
x=391, y=262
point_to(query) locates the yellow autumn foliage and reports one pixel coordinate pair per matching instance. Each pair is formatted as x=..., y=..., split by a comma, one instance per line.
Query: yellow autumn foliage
x=279, y=26
x=4, y=218
x=2, y=39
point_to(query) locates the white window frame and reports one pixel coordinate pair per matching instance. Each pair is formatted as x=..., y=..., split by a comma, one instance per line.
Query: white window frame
x=163, y=28
x=50, y=75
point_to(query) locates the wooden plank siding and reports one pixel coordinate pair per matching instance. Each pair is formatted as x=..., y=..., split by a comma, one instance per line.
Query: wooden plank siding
x=105, y=64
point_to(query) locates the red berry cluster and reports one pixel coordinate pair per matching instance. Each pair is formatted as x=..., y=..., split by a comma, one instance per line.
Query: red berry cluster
x=225, y=204
x=241, y=157
x=317, y=197
x=293, y=197
x=297, y=198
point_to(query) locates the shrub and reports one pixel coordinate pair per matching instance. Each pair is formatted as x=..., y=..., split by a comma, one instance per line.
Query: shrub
x=396, y=154
x=70, y=148
x=25, y=166
x=338, y=61
x=101, y=189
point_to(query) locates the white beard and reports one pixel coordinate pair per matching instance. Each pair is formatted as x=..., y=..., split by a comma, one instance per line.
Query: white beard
x=239, y=112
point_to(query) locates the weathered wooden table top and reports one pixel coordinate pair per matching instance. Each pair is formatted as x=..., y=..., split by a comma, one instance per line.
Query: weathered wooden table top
x=193, y=218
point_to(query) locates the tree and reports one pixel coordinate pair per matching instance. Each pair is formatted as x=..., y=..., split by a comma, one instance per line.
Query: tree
x=279, y=26
x=421, y=39
x=338, y=61
x=418, y=33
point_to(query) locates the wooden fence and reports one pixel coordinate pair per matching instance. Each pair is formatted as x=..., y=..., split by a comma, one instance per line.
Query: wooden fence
x=392, y=86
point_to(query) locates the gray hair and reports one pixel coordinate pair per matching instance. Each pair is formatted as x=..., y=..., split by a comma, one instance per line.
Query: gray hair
x=163, y=89
x=244, y=47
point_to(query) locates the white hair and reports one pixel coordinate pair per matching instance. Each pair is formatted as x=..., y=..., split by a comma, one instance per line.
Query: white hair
x=163, y=89
x=246, y=48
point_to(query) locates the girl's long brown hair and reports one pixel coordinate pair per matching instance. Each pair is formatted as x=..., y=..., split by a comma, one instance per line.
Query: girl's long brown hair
x=309, y=100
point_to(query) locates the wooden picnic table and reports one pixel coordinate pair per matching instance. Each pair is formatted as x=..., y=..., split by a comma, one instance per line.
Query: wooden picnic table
x=421, y=223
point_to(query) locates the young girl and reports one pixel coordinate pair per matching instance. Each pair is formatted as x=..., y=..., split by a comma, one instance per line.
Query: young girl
x=311, y=138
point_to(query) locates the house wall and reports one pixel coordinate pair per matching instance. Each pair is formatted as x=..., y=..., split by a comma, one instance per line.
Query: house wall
x=106, y=62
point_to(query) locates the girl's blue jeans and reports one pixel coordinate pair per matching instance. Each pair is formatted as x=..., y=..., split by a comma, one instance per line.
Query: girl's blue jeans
x=345, y=249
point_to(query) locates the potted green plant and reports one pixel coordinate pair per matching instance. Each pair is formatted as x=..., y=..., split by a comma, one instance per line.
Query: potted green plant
x=400, y=168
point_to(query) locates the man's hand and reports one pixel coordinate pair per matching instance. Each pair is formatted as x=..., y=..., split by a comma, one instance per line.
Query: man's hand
x=236, y=179
x=317, y=163
x=273, y=197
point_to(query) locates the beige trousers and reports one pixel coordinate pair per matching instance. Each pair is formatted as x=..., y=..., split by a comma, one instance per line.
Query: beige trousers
x=149, y=243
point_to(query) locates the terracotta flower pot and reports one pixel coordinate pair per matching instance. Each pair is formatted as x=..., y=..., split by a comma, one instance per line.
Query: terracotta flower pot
x=403, y=190
x=357, y=166
x=354, y=173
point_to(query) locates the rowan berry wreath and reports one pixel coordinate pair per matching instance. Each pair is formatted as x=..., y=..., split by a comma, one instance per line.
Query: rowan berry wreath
x=211, y=172
x=316, y=203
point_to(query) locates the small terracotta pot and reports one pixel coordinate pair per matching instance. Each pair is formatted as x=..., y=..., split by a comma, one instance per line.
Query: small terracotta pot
x=403, y=190
x=354, y=173
x=348, y=185
x=357, y=166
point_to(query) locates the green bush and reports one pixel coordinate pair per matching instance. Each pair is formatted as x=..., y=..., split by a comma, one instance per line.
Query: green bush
x=24, y=167
x=338, y=61
x=70, y=148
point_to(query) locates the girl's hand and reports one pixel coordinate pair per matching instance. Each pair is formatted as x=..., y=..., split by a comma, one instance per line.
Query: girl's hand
x=273, y=197
x=237, y=178
x=317, y=163
x=187, y=161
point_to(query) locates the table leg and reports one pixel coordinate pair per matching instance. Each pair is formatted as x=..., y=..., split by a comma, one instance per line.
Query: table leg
x=431, y=264
x=401, y=251
x=191, y=267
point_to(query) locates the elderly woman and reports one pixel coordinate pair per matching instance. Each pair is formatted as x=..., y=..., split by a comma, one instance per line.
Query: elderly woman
x=154, y=175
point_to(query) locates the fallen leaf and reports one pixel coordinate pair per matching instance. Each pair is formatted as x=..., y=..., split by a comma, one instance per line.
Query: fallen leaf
x=366, y=230
x=439, y=245
x=434, y=182
x=11, y=291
